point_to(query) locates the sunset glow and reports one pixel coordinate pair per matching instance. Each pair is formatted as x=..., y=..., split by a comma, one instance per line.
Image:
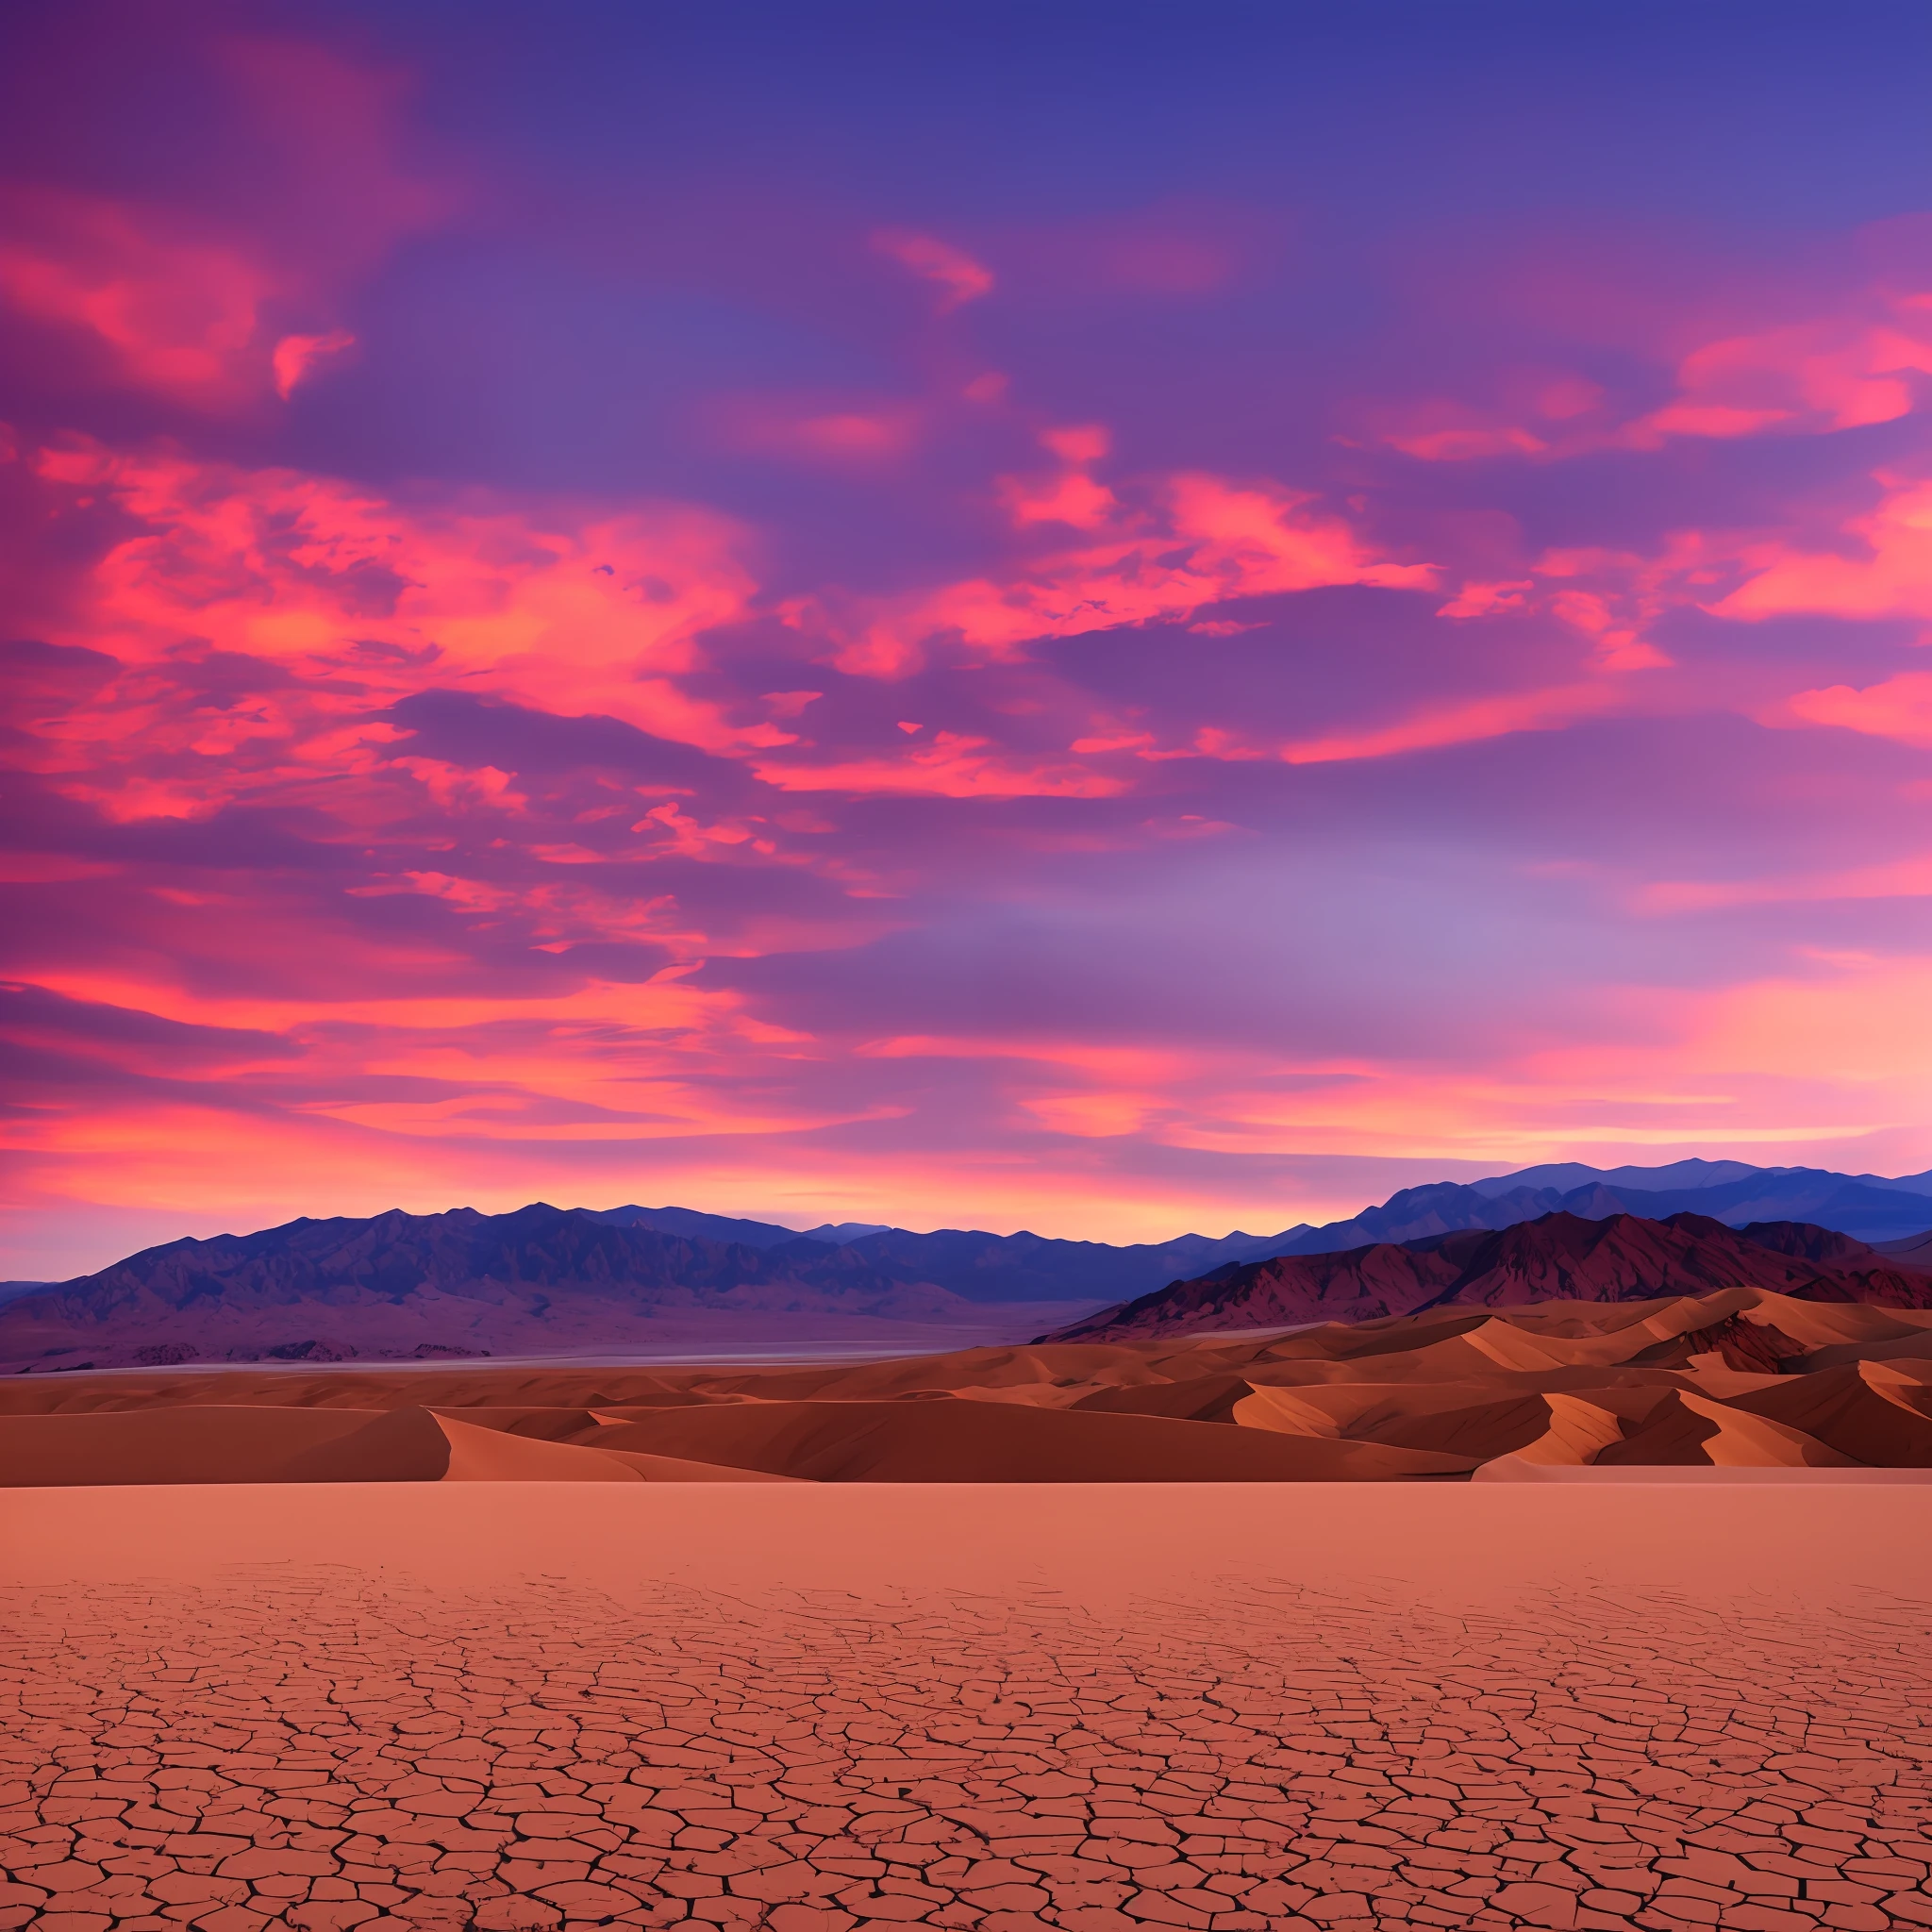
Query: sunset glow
x=879, y=614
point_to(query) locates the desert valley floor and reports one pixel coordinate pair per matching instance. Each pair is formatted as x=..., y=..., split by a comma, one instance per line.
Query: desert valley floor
x=1578, y=1615
x=1588, y=1704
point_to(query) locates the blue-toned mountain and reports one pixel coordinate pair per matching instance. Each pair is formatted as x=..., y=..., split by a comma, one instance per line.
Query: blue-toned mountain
x=1868, y=1207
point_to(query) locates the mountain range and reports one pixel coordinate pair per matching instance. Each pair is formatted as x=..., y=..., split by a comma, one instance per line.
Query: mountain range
x=1865, y=1206
x=1869, y=1207
x=1558, y=1257
x=545, y=1280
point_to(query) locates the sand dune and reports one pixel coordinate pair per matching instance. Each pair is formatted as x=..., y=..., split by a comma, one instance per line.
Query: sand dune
x=1685, y=1427
x=1740, y=1378
x=1871, y=1412
x=1195, y=1398
x=946, y=1441
x=414, y=1445
x=170, y=1445
x=1579, y=1433
x=184, y=1444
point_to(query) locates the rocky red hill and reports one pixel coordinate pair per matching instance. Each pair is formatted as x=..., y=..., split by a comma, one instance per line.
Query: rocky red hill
x=1558, y=1257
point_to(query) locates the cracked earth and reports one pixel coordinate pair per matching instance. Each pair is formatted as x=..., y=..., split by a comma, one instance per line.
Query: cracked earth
x=325, y=1749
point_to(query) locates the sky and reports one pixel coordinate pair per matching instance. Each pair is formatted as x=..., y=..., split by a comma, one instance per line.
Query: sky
x=1113, y=619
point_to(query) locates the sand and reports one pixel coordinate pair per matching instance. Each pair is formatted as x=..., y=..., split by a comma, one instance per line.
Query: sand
x=1568, y=1616
x=1738, y=1378
x=197, y=1443
x=1585, y=1704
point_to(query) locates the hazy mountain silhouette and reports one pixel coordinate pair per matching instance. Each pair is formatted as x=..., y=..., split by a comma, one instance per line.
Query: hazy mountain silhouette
x=1864, y=1205
x=545, y=1278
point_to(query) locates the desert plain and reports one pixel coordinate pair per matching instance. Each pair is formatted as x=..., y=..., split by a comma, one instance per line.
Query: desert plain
x=1602, y=1703
x=1568, y=1616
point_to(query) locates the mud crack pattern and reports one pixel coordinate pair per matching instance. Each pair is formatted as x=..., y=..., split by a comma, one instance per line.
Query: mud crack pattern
x=326, y=1751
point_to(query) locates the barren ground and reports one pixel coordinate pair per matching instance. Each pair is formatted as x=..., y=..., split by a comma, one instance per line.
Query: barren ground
x=1225, y=1707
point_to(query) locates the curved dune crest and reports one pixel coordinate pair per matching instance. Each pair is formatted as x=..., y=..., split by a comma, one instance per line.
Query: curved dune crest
x=967, y=1441
x=1580, y=1432
x=1870, y=1412
x=1285, y=1411
x=248, y=1445
x=1193, y=1398
x=213, y=1444
x=1687, y=1428
x=415, y=1445
x=492, y=1455
x=1480, y=1431
x=1516, y=1345
x=676, y=1469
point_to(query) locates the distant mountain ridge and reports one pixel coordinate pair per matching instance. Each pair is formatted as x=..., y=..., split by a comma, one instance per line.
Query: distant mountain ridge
x=1866, y=1206
x=723, y=1227
x=1870, y=1207
x=980, y=1266
x=544, y=1278
x=1559, y=1257
x=541, y=1280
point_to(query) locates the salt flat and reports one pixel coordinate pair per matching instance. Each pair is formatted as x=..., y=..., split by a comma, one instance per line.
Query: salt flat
x=524, y=1705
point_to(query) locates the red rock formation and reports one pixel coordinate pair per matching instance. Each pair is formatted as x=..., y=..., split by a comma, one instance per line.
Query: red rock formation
x=1558, y=1257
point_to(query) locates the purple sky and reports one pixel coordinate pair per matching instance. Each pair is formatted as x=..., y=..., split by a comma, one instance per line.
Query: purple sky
x=1110, y=619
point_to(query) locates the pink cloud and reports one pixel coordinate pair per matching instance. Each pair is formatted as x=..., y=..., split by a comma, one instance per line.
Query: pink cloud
x=1071, y=497
x=333, y=582
x=1079, y=443
x=1892, y=577
x=329, y=142
x=1612, y=598
x=1906, y=878
x=1433, y=727
x=1542, y=412
x=1459, y=724
x=1833, y=374
x=171, y=313
x=952, y=271
x=1619, y=645
x=1477, y=599
x=951, y=765
x=295, y=357
x=345, y=603
x=817, y=432
x=1850, y=1034
x=197, y=307
x=1899, y=707
x=1865, y=362
x=1203, y=541
x=1447, y=433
